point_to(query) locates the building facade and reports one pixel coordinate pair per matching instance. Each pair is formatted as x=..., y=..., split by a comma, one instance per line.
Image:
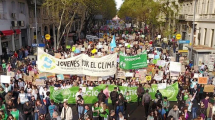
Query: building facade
x=14, y=21
x=204, y=21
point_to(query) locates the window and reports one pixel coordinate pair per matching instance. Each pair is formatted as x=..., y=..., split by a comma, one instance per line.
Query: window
x=1, y=7
x=21, y=7
x=13, y=6
x=205, y=36
x=212, y=37
x=208, y=7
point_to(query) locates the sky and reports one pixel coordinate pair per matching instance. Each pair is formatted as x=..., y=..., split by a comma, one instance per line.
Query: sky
x=118, y=3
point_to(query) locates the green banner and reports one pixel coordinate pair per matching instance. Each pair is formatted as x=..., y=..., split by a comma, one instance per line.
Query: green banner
x=90, y=96
x=133, y=62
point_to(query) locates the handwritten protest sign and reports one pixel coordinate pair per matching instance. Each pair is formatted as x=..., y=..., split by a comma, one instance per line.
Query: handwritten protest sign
x=11, y=74
x=202, y=80
x=31, y=73
x=60, y=77
x=175, y=66
x=57, y=55
x=92, y=78
x=39, y=82
x=5, y=79
x=209, y=88
x=148, y=78
x=121, y=74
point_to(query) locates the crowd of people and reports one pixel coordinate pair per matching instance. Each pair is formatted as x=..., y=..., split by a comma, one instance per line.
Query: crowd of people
x=23, y=100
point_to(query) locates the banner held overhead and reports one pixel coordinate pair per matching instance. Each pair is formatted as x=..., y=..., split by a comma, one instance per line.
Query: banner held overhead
x=81, y=64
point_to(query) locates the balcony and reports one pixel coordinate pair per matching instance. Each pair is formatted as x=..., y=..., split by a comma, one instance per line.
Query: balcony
x=181, y=17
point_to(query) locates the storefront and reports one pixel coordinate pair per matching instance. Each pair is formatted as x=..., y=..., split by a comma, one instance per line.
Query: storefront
x=201, y=54
x=10, y=40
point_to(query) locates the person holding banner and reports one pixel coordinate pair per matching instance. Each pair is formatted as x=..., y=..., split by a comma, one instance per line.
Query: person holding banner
x=140, y=92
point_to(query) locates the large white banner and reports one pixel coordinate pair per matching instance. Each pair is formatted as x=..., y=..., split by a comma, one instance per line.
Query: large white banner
x=81, y=64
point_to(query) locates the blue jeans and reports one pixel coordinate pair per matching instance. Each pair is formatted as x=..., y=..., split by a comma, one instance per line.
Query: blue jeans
x=35, y=116
x=41, y=98
x=80, y=111
x=194, y=110
x=106, y=101
x=119, y=109
x=209, y=118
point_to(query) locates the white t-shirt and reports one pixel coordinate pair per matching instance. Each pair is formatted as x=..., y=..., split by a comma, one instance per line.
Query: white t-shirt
x=77, y=94
x=22, y=98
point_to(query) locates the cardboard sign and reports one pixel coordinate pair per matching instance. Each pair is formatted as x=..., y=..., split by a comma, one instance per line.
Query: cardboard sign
x=148, y=78
x=196, y=68
x=31, y=73
x=129, y=74
x=60, y=77
x=174, y=74
x=183, y=69
x=164, y=50
x=5, y=79
x=209, y=88
x=11, y=74
x=121, y=74
x=172, y=59
x=196, y=75
x=203, y=80
x=151, y=56
x=39, y=82
x=57, y=55
x=161, y=86
x=175, y=66
x=66, y=76
x=28, y=78
x=92, y=78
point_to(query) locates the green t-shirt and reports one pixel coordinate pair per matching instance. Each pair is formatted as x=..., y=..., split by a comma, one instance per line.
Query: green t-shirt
x=15, y=114
x=3, y=108
x=4, y=65
x=128, y=98
x=185, y=97
x=101, y=111
x=95, y=114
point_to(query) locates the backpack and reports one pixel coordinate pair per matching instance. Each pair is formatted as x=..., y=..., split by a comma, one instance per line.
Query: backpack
x=113, y=95
x=147, y=98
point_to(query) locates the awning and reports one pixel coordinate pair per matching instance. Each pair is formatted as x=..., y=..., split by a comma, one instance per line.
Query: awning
x=7, y=32
x=18, y=31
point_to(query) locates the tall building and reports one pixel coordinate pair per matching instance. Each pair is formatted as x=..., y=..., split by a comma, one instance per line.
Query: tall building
x=204, y=21
x=14, y=21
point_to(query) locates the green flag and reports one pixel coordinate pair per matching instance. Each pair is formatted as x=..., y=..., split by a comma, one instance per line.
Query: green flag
x=133, y=62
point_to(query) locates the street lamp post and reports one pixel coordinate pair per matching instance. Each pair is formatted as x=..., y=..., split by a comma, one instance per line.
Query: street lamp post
x=35, y=2
x=194, y=16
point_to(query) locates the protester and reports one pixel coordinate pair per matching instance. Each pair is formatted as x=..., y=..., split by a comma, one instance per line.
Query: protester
x=66, y=113
x=126, y=90
x=80, y=103
x=146, y=102
x=114, y=96
x=55, y=116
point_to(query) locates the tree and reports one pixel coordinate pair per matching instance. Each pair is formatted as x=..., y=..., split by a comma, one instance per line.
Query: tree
x=63, y=13
x=147, y=11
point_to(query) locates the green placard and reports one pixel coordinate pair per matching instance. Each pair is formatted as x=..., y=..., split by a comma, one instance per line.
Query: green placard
x=133, y=62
